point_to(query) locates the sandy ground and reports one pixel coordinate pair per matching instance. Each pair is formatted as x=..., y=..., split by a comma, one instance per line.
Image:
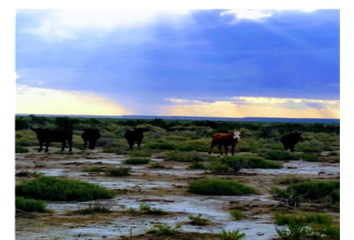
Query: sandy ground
x=165, y=189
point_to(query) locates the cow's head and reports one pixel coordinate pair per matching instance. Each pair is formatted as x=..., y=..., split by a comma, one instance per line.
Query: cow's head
x=236, y=135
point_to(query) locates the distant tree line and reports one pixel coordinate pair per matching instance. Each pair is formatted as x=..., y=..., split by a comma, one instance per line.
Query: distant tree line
x=264, y=130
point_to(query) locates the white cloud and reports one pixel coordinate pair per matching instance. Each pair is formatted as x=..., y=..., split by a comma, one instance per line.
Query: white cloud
x=249, y=14
x=57, y=25
x=257, y=14
x=49, y=101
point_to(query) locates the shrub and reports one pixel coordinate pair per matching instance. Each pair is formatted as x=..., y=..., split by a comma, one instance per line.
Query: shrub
x=150, y=210
x=198, y=220
x=278, y=155
x=309, y=157
x=60, y=189
x=136, y=161
x=156, y=165
x=196, y=165
x=140, y=153
x=219, y=168
x=30, y=205
x=230, y=235
x=19, y=149
x=165, y=230
x=326, y=190
x=296, y=232
x=219, y=187
x=179, y=156
x=237, y=214
x=96, y=207
x=316, y=218
x=117, y=171
x=93, y=169
x=251, y=161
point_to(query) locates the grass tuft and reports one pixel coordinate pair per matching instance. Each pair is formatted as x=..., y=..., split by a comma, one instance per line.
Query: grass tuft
x=219, y=187
x=61, y=189
x=117, y=171
x=136, y=161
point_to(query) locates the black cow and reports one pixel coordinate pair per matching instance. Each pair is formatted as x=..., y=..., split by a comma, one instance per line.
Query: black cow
x=90, y=135
x=46, y=136
x=135, y=135
x=290, y=139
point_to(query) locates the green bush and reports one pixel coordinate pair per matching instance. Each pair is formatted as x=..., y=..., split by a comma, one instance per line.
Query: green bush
x=136, y=161
x=96, y=207
x=151, y=210
x=93, y=169
x=156, y=165
x=198, y=220
x=230, y=235
x=179, y=156
x=165, y=230
x=117, y=171
x=19, y=149
x=324, y=190
x=60, y=189
x=296, y=231
x=196, y=165
x=309, y=157
x=30, y=205
x=315, y=218
x=219, y=187
x=278, y=155
x=250, y=161
x=237, y=214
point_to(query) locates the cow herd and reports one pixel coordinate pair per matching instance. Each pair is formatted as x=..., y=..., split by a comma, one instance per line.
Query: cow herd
x=135, y=136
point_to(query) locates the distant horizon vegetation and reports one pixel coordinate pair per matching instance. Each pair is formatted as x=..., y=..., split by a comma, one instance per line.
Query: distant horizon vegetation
x=241, y=119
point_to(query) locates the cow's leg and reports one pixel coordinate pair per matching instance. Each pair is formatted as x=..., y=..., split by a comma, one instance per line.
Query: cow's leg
x=233, y=149
x=63, y=145
x=85, y=143
x=225, y=146
x=40, y=146
x=131, y=144
x=46, y=146
x=211, y=147
x=220, y=151
x=70, y=143
x=292, y=148
x=139, y=144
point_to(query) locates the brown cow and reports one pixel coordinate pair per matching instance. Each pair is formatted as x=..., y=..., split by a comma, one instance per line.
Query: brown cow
x=225, y=139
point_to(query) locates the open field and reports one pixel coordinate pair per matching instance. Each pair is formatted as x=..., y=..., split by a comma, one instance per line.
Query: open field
x=158, y=191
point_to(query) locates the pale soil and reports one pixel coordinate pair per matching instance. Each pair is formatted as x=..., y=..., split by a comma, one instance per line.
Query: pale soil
x=160, y=188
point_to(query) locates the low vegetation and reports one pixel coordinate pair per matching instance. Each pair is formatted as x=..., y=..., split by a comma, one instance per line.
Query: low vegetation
x=234, y=164
x=165, y=230
x=230, y=235
x=219, y=187
x=95, y=207
x=326, y=191
x=30, y=205
x=117, y=171
x=180, y=156
x=146, y=209
x=198, y=220
x=136, y=161
x=61, y=189
x=237, y=214
x=93, y=169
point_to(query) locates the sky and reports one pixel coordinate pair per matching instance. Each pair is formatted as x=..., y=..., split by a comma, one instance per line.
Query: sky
x=179, y=62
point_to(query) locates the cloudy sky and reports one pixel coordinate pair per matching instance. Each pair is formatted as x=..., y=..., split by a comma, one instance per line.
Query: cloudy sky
x=199, y=62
